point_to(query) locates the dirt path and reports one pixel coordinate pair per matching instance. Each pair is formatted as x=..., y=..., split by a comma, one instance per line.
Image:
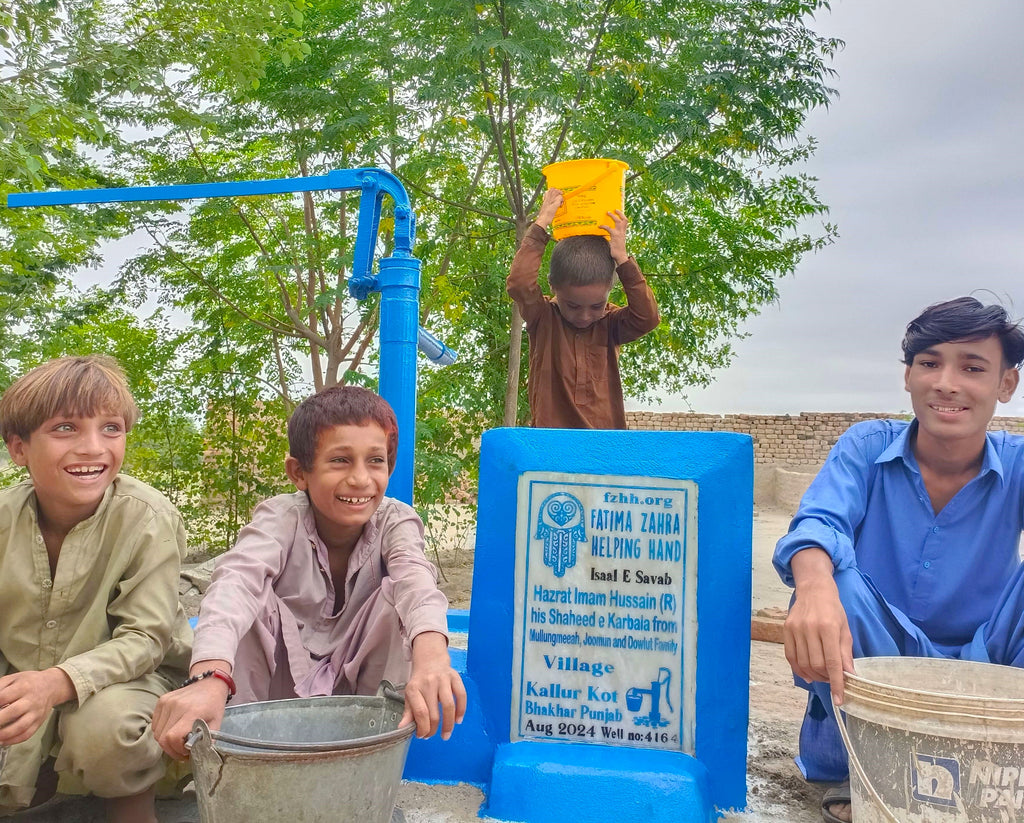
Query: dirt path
x=775, y=789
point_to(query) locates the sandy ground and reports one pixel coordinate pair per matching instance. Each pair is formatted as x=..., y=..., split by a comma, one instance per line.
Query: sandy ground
x=776, y=791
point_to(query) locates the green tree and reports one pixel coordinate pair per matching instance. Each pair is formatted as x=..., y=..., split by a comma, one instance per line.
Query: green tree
x=269, y=275
x=73, y=75
x=705, y=101
x=76, y=77
x=465, y=103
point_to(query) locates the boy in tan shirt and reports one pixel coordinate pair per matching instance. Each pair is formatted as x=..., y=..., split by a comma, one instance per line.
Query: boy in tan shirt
x=92, y=631
x=574, y=378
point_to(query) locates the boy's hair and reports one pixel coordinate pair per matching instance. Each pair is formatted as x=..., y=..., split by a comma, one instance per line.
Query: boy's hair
x=338, y=406
x=581, y=260
x=964, y=319
x=82, y=386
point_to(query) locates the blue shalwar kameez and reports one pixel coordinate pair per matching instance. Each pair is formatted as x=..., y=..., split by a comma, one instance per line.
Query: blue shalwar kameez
x=912, y=582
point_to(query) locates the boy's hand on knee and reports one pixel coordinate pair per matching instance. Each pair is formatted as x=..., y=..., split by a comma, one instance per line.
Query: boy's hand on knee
x=27, y=698
x=819, y=645
x=433, y=684
x=176, y=711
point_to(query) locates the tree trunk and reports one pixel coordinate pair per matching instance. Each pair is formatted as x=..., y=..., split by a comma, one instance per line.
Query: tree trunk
x=515, y=348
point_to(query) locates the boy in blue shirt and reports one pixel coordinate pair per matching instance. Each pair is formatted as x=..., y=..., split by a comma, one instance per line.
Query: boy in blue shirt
x=906, y=543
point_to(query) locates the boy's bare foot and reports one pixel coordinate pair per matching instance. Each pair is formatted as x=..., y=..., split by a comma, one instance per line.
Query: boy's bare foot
x=139, y=808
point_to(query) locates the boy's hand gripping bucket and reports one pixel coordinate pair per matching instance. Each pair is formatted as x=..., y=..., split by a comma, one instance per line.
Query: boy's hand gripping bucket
x=336, y=759
x=934, y=740
x=591, y=189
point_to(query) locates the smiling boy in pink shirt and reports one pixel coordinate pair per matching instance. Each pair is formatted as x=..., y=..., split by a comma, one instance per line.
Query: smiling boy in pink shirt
x=327, y=590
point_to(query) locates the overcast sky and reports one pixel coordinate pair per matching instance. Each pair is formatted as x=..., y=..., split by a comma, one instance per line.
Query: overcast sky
x=921, y=161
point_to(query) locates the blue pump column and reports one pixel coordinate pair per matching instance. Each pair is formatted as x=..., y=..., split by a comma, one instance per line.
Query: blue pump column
x=399, y=282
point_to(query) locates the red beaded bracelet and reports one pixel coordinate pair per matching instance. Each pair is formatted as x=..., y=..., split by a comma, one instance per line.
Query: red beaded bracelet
x=219, y=674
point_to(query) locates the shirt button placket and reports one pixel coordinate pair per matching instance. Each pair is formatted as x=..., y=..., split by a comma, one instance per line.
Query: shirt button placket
x=581, y=368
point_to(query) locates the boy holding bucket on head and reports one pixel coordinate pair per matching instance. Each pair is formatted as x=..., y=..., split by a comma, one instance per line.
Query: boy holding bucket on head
x=907, y=541
x=91, y=631
x=327, y=590
x=574, y=378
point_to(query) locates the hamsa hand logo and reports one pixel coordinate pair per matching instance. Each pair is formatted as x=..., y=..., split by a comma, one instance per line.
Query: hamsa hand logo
x=560, y=526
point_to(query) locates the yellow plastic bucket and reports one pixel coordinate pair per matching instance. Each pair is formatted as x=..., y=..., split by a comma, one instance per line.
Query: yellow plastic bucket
x=592, y=188
x=933, y=740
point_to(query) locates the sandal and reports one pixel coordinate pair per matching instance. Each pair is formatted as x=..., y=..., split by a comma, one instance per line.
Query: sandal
x=835, y=796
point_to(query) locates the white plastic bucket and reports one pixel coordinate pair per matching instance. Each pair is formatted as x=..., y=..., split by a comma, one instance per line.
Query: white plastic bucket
x=935, y=741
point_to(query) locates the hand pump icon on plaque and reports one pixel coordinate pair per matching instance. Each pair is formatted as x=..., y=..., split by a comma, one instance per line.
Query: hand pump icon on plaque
x=659, y=688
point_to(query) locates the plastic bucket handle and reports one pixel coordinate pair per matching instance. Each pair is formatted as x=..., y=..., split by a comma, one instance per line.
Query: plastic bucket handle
x=606, y=173
x=857, y=767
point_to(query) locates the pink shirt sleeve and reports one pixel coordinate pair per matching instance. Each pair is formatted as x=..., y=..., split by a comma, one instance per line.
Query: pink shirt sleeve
x=421, y=606
x=242, y=580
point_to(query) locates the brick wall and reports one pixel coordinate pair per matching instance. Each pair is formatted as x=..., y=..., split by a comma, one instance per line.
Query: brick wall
x=797, y=440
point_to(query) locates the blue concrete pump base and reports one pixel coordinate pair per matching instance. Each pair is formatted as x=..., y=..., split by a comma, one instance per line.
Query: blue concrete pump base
x=545, y=782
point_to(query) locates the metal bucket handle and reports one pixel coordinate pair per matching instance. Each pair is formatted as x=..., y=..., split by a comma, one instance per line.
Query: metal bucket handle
x=391, y=691
x=857, y=767
x=201, y=738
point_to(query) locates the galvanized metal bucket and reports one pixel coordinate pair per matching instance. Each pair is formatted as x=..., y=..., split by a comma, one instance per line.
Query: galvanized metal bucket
x=336, y=759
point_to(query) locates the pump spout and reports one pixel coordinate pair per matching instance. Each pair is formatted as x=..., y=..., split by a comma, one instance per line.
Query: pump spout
x=434, y=350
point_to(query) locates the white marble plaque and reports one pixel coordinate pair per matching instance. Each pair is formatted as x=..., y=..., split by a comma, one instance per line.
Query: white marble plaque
x=605, y=622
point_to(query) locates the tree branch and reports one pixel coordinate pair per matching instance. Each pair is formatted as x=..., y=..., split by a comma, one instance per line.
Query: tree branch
x=281, y=375
x=464, y=206
x=354, y=364
x=456, y=232
x=516, y=181
x=274, y=327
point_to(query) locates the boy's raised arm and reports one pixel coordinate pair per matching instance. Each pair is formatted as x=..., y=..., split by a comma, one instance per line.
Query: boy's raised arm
x=640, y=314
x=522, y=279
